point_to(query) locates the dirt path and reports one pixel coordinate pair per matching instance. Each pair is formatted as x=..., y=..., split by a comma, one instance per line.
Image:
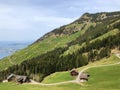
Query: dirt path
x=52, y=84
x=77, y=80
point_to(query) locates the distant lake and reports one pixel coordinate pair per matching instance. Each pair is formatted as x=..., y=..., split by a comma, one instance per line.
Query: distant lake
x=8, y=48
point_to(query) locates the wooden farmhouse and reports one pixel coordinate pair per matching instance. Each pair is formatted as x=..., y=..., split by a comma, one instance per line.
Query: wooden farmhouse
x=84, y=77
x=18, y=78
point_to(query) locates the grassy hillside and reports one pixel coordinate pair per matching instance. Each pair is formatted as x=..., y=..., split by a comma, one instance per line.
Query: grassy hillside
x=87, y=25
x=65, y=76
x=37, y=49
x=84, y=28
x=58, y=77
x=106, y=79
x=74, y=48
x=43, y=46
x=88, y=39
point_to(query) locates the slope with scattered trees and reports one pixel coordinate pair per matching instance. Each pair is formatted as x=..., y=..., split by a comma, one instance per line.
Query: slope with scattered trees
x=52, y=46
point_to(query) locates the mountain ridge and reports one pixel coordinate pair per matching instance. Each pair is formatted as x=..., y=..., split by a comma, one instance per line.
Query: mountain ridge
x=85, y=17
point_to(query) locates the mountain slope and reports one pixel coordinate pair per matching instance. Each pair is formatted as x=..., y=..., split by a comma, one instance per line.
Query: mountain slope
x=96, y=33
x=65, y=76
x=72, y=33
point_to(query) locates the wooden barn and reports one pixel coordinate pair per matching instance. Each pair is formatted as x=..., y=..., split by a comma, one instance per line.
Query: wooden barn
x=84, y=77
x=18, y=78
x=74, y=72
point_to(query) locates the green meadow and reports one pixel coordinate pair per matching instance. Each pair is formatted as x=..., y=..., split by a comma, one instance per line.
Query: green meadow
x=101, y=78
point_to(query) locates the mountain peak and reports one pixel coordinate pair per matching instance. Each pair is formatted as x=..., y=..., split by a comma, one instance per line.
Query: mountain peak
x=79, y=24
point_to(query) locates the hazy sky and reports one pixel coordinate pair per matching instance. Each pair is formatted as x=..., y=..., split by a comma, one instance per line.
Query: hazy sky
x=30, y=19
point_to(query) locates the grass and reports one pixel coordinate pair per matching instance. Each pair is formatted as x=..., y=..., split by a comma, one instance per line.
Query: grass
x=112, y=32
x=74, y=48
x=56, y=77
x=106, y=78
x=102, y=78
x=13, y=86
x=37, y=49
x=42, y=47
x=105, y=61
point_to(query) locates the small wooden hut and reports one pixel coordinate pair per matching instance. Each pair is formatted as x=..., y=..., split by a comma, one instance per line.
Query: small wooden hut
x=74, y=72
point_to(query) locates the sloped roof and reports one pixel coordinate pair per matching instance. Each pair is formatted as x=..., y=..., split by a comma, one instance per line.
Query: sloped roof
x=18, y=77
x=10, y=76
x=74, y=70
x=84, y=76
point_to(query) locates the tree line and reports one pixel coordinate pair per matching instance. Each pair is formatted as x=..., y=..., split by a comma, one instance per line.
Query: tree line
x=39, y=67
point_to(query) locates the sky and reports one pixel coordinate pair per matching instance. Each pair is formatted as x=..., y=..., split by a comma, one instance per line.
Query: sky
x=27, y=20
